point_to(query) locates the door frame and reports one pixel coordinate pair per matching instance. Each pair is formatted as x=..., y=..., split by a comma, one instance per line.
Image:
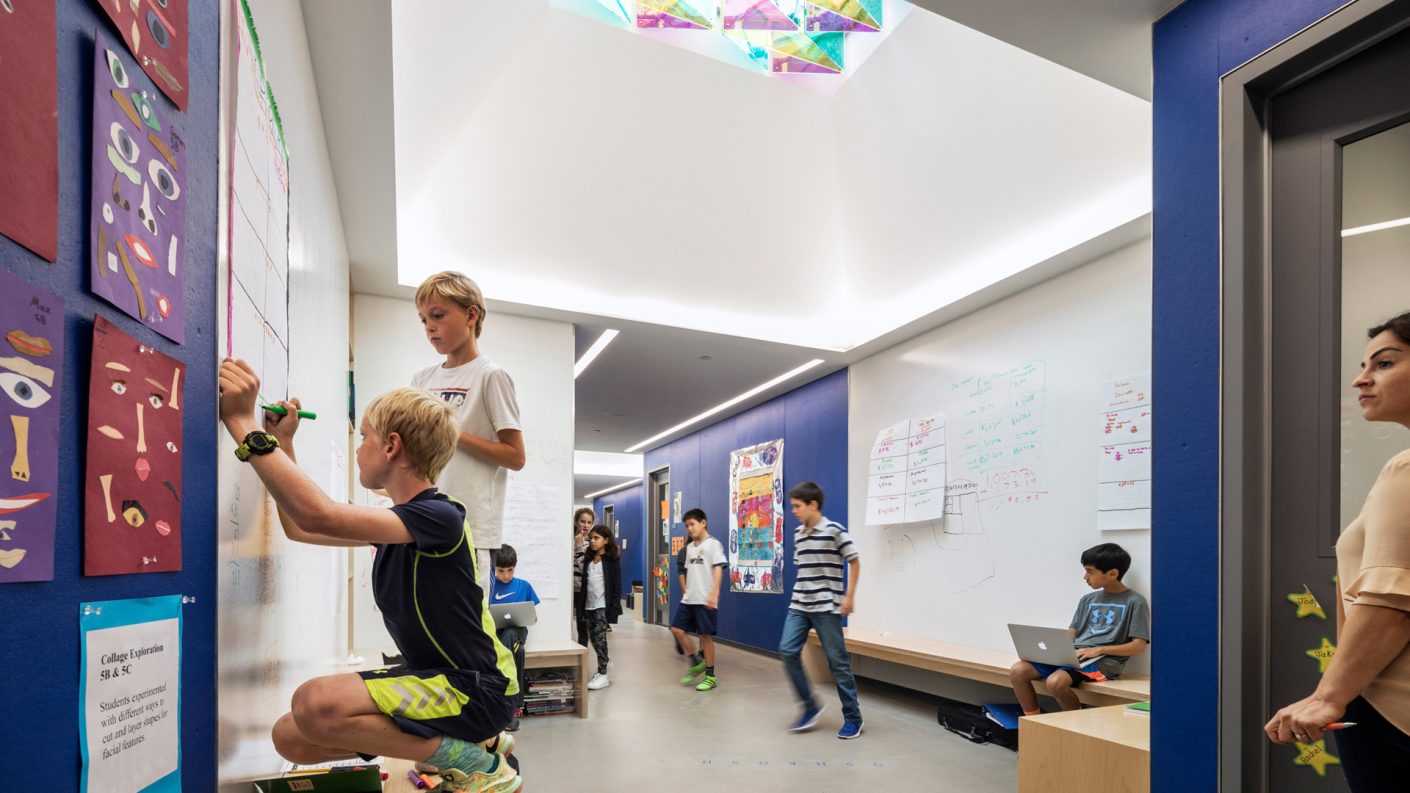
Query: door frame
x=1245, y=434
x=656, y=478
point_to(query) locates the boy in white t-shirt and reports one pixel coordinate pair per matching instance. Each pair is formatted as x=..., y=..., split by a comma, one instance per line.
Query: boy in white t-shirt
x=491, y=443
x=700, y=602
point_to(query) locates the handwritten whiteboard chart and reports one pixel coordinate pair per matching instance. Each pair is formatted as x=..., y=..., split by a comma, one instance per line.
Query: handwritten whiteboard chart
x=533, y=522
x=906, y=475
x=1018, y=384
x=1124, y=464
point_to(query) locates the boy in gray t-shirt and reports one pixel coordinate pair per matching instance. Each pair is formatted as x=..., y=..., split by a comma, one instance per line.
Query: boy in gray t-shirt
x=1113, y=622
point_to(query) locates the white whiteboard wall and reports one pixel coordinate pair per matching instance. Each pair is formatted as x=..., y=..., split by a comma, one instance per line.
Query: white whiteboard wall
x=282, y=608
x=1017, y=556
x=388, y=346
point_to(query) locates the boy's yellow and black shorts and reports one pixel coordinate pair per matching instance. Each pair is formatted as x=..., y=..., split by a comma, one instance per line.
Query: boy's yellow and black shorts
x=429, y=703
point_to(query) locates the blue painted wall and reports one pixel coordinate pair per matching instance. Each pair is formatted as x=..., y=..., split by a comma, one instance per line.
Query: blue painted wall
x=627, y=512
x=39, y=647
x=812, y=420
x=1193, y=46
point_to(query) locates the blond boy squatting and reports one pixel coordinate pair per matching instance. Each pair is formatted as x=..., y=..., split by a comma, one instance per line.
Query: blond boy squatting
x=423, y=582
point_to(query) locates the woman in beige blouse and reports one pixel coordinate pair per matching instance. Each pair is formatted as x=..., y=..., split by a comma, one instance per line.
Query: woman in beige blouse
x=1368, y=680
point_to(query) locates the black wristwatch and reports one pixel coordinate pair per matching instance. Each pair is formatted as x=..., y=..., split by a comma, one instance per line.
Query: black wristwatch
x=256, y=443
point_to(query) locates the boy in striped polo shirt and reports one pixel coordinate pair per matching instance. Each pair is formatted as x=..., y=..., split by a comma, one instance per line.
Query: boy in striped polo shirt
x=822, y=551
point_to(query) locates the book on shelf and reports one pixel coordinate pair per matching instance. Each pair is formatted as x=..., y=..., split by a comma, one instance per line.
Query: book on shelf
x=1139, y=709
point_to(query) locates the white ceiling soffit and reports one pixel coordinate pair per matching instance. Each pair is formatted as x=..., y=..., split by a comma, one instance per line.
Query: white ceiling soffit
x=352, y=59
x=1107, y=40
x=574, y=167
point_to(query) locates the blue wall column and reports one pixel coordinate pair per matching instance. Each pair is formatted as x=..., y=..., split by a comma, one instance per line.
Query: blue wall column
x=1194, y=46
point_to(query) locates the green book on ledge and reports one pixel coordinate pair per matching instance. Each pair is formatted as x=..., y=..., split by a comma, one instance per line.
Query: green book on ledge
x=1139, y=708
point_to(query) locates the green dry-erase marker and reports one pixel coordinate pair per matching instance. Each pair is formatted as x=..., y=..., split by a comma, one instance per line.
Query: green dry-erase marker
x=282, y=411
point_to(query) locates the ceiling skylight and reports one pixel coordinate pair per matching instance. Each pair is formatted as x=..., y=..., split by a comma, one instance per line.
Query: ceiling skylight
x=785, y=37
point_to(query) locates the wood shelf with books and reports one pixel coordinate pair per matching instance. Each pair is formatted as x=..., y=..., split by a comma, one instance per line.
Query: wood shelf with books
x=555, y=681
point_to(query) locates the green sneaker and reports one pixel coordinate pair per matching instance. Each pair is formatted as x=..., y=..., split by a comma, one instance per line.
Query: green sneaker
x=707, y=684
x=695, y=671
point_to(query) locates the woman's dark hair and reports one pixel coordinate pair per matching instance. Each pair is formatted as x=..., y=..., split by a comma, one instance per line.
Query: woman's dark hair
x=609, y=549
x=1400, y=326
x=579, y=512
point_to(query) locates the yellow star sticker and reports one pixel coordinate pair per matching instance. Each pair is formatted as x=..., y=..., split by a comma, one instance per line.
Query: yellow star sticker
x=1306, y=602
x=1315, y=756
x=1323, y=654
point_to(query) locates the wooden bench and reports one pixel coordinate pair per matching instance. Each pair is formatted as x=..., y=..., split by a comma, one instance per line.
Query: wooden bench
x=972, y=663
x=573, y=656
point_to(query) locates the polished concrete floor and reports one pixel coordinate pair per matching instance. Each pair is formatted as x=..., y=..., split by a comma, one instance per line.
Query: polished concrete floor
x=649, y=733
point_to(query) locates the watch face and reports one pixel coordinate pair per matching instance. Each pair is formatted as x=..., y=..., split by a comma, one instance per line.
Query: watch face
x=260, y=442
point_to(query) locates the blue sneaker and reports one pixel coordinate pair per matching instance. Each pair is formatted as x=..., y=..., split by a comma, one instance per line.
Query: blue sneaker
x=850, y=730
x=806, y=720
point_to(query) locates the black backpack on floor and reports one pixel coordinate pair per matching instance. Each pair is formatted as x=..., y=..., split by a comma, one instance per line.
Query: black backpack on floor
x=969, y=722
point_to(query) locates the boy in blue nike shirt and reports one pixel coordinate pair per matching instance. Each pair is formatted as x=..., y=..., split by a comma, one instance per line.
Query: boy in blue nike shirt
x=448, y=705
x=505, y=588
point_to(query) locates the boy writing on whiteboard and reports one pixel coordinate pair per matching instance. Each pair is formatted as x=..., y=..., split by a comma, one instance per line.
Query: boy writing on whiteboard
x=448, y=705
x=491, y=441
x=1113, y=622
x=700, y=584
x=505, y=588
x=821, y=598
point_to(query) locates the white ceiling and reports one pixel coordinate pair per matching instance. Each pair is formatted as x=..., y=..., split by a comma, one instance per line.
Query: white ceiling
x=533, y=148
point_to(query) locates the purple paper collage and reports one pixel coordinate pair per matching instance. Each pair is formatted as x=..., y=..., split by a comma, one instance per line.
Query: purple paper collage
x=31, y=361
x=139, y=210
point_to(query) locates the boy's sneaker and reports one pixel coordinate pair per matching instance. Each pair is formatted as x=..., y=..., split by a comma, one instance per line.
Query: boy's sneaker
x=598, y=681
x=502, y=745
x=707, y=684
x=499, y=779
x=850, y=730
x=806, y=720
x=513, y=725
x=695, y=671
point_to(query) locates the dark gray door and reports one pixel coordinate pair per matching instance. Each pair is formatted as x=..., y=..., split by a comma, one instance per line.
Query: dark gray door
x=1339, y=158
x=662, y=566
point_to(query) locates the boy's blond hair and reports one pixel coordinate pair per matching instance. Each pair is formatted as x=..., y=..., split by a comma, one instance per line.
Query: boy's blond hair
x=458, y=288
x=425, y=424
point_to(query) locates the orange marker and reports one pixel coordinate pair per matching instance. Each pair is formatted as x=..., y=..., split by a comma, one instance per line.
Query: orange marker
x=1338, y=725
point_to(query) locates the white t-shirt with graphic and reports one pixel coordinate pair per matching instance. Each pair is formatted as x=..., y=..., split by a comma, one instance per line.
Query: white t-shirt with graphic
x=700, y=563
x=482, y=395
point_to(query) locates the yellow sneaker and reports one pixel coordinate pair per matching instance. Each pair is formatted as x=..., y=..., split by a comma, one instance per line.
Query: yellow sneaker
x=500, y=779
x=502, y=744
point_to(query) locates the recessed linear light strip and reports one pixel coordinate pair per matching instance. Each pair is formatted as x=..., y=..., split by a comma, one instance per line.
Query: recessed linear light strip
x=594, y=351
x=613, y=488
x=1389, y=224
x=725, y=405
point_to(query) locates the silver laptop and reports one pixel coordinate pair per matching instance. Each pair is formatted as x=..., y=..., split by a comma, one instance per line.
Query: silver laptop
x=515, y=615
x=1052, y=646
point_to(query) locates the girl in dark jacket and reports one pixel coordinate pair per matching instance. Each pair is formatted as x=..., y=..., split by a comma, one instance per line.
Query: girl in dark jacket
x=601, y=596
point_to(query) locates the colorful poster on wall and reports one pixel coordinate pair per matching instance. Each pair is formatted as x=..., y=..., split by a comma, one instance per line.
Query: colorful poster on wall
x=132, y=489
x=155, y=32
x=29, y=127
x=129, y=693
x=31, y=368
x=138, y=210
x=756, y=518
x=661, y=575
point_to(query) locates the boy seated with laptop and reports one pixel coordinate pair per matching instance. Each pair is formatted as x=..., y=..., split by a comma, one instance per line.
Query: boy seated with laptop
x=1110, y=625
x=512, y=621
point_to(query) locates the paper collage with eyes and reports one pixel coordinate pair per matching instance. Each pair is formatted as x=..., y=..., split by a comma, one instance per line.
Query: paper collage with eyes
x=31, y=366
x=132, y=488
x=29, y=123
x=138, y=212
x=155, y=32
